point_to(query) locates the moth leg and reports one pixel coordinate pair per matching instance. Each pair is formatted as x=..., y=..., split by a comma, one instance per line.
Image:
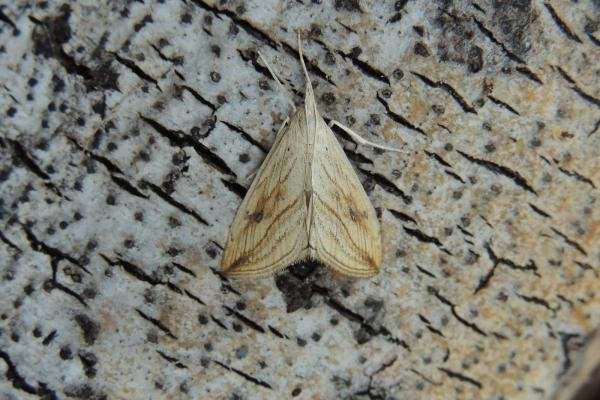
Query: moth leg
x=288, y=97
x=285, y=122
x=359, y=139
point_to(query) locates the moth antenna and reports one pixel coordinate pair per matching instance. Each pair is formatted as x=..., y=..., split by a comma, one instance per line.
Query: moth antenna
x=302, y=60
x=281, y=86
x=359, y=139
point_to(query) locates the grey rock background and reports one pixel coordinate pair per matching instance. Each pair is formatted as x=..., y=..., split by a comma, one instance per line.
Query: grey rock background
x=128, y=133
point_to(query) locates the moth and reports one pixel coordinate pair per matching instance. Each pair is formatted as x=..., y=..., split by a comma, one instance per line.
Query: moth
x=305, y=202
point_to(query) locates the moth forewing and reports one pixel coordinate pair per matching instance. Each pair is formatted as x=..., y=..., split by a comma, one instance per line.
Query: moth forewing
x=345, y=230
x=269, y=229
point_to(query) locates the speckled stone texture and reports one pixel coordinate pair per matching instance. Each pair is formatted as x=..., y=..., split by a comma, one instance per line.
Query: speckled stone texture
x=129, y=132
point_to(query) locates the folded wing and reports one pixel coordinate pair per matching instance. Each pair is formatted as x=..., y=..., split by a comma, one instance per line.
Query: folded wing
x=269, y=231
x=345, y=231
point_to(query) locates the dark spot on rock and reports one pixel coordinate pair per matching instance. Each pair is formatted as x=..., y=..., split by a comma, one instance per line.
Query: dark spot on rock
x=138, y=26
x=566, y=135
x=180, y=157
x=63, y=225
x=400, y=4
x=244, y=158
x=215, y=76
x=421, y=49
x=89, y=293
x=11, y=111
x=362, y=335
x=58, y=86
x=328, y=98
x=28, y=289
x=104, y=77
x=174, y=222
x=241, y=352
x=475, y=59
x=329, y=58
x=84, y=391
x=54, y=31
x=386, y=93
x=138, y=216
x=438, y=109
x=511, y=21
x=419, y=30
x=174, y=251
x=211, y=252
x=216, y=50
x=355, y=52
x=37, y=332
x=471, y=258
x=65, y=353
x=237, y=327
x=77, y=216
x=89, y=328
x=128, y=243
x=203, y=319
x=490, y=147
x=233, y=29
x=316, y=336
x=240, y=9
x=208, y=19
x=398, y=74
x=264, y=84
x=296, y=392
x=374, y=120
x=110, y=200
x=496, y=189
x=457, y=194
x=149, y=296
x=221, y=99
x=315, y=30
x=88, y=360
x=84, y=260
x=152, y=336
x=373, y=304
x=186, y=18
x=347, y=5
x=18, y=302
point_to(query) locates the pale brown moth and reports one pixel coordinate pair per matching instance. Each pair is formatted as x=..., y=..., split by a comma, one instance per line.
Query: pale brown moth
x=305, y=202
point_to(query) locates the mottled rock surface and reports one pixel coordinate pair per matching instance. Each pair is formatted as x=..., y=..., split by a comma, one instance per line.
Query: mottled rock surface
x=129, y=131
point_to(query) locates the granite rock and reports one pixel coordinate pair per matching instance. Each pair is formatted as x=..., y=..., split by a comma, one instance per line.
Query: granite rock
x=130, y=132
